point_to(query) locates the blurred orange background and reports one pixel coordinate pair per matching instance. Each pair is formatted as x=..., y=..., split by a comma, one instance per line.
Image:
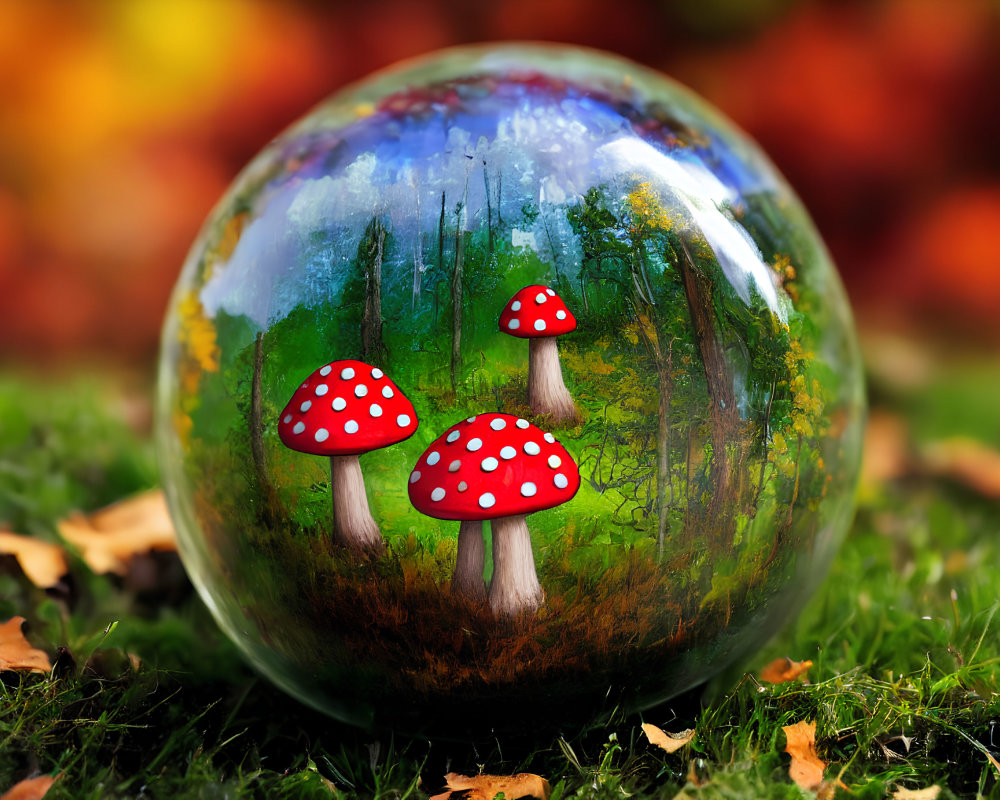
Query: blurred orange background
x=121, y=123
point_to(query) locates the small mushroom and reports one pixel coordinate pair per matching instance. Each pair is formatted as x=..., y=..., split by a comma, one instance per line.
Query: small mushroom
x=538, y=314
x=497, y=467
x=343, y=409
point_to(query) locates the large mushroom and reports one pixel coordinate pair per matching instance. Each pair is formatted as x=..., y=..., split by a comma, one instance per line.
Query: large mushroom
x=538, y=314
x=497, y=467
x=343, y=409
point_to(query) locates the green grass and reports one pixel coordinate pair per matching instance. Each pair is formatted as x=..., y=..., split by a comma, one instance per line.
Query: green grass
x=904, y=636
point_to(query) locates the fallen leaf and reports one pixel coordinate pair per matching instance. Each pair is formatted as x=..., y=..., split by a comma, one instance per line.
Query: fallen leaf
x=806, y=768
x=886, y=450
x=784, y=669
x=43, y=563
x=671, y=742
x=16, y=652
x=966, y=461
x=486, y=787
x=31, y=789
x=930, y=793
x=109, y=538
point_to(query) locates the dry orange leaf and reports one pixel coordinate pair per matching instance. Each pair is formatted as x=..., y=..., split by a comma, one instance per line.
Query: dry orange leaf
x=16, y=652
x=966, y=461
x=31, y=789
x=671, y=742
x=806, y=768
x=930, y=793
x=43, y=562
x=784, y=669
x=110, y=537
x=886, y=451
x=486, y=787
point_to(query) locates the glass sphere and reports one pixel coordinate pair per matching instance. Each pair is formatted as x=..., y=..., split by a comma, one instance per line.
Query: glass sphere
x=512, y=375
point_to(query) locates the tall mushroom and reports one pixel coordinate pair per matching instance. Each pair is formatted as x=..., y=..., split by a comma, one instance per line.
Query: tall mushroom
x=343, y=409
x=538, y=314
x=497, y=467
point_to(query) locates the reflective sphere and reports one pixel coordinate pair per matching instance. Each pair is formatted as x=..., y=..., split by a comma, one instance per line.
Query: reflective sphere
x=513, y=377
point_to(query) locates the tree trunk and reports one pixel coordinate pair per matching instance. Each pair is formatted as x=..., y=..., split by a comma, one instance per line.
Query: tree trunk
x=353, y=525
x=418, y=259
x=265, y=488
x=372, y=347
x=514, y=588
x=489, y=211
x=456, y=303
x=547, y=394
x=724, y=417
x=468, y=578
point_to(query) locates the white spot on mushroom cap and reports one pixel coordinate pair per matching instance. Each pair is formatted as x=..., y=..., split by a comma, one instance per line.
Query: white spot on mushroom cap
x=322, y=389
x=453, y=436
x=554, y=461
x=549, y=438
x=560, y=314
x=560, y=480
x=550, y=293
x=433, y=457
x=437, y=494
x=489, y=464
x=515, y=306
x=471, y=419
x=455, y=466
x=322, y=435
x=528, y=489
x=415, y=476
x=498, y=424
x=462, y=486
x=403, y=420
x=305, y=406
x=539, y=324
x=288, y=418
x=360, y=390
x=532, y=448
x=522, y=423
x=387, y=392
x=326, y=370
x=474, y=444
x=377, y=373
x=375, y=410
x=514, y=324
x=299, y=427
x=507, y=453
x=347, y=373
x=487, y=500
x=351, y=426
x=540, y=298
x=339, y=404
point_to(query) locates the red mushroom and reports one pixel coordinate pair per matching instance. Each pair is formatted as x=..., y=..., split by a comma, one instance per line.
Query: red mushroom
x=538, y=314
x=343, y=409
x=497, y=467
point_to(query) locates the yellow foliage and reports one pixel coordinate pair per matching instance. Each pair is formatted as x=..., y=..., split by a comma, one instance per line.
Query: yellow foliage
x=647, y=211
x=196, y=333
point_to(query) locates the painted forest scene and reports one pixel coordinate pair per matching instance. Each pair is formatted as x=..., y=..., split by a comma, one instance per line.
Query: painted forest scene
x=506, y=384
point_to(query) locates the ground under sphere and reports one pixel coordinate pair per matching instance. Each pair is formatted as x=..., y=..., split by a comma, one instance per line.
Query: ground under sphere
x=531, y=292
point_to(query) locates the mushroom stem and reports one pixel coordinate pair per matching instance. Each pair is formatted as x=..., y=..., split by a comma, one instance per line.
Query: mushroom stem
x=353, y=525
x=468, y=577
x=547, y=394
x=515, y=587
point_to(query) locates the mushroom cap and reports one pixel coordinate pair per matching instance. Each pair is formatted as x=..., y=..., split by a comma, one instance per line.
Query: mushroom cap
x=489, y=466
x=345, y=408
x=536, y=311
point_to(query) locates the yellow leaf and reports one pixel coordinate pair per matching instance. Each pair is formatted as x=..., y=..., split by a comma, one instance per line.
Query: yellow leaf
x=43, y=563
x=16, y=652
x=671, y=742
x=784, y=669
x=486, y=787
x=806, y=768
x=930, y=793
x=109, y=538
x=31, y=789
